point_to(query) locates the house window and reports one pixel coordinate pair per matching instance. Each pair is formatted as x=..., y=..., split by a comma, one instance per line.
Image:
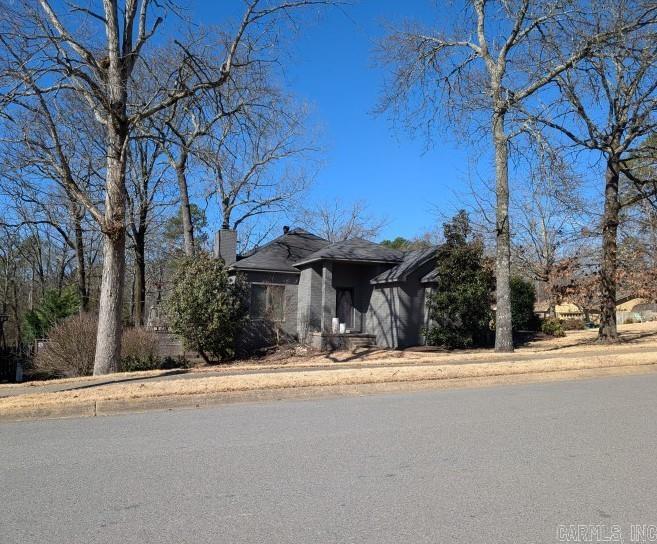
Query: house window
x=268, y=302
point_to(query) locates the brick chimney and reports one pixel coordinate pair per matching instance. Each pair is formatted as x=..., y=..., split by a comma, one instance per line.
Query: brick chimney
x=225, y=246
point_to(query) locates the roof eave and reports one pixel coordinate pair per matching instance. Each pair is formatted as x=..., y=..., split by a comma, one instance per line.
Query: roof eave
x=385, y=282
x=233, y=268
x=405, y=275
x=355, y=261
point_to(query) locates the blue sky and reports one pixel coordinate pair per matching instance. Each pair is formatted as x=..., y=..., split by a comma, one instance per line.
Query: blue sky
x=331, y=66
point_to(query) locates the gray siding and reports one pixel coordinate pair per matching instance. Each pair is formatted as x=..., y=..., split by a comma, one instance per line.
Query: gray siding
x=397, y=312
x=263, y=332
x=357, y=277
x=328, y=297
x=411, y=314
x=412, y=307
x=382, y=316
x=309, y=305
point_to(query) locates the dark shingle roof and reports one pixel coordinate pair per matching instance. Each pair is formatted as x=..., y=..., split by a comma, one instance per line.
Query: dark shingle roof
x=280, y=254
x=431, y=277
x=412, y=259
x=354, y=250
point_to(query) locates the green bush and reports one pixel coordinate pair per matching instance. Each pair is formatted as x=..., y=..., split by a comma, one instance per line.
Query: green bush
x=139, y=364
x=523, y=298
x=169, y=363
x=54, y=307
x=459, y=308
x=553, y=327
x=573, y=324
x=206, y=307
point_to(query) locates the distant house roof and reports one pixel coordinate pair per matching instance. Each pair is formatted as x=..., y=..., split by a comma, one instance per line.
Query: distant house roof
x=412, y=260
x=280, y=254
x=541, y=307
x=354, y=250
x=645, y=307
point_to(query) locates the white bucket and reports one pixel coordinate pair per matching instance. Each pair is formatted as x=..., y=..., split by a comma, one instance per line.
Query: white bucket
x=335, y=325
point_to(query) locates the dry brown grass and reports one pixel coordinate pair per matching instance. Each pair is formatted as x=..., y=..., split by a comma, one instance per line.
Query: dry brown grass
x=576, y=347
x=299, y=379
x=639, y=335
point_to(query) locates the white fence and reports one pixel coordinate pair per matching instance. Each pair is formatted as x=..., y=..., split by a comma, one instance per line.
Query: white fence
x=635, y=317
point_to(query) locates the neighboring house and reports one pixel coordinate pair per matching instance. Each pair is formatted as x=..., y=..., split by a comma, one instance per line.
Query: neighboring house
x=628, y=307
x=635, y=309
x=566, y=310
x=300, y=282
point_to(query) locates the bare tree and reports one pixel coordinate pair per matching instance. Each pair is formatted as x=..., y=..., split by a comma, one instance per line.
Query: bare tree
x=549, y=220
x=92, y=54
x=10, y=275
x=257, y=160
x=34, y=174
x=145, y=175
x=64, y=216
x=637, y=252
x=607, y=105
x=178, y=132
x=551, y=224
x=336, y=220
x=248, y=137
x=485, y=69
x=35, y=258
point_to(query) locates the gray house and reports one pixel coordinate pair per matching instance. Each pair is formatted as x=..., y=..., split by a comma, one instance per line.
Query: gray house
x=300, y=282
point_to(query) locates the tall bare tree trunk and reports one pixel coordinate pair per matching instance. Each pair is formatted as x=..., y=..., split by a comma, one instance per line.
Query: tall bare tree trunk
x=108, y=345
x=608, y=331
x=62, y=269
x=81, y=264
x=139, y=296
x=17, y=315
x=185, y=209
x=225, y=213
x=110, y=310
x=503, y=326
x=132, y=295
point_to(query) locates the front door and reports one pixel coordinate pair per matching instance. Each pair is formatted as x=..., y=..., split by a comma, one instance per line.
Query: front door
x=345, y=307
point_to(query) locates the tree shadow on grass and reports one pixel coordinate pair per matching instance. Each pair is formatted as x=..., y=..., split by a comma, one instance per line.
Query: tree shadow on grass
x=356, y=355
x=623, y=339
x=173, y=372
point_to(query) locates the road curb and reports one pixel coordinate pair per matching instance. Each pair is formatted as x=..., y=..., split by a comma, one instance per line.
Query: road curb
x=110, y=407
x=85, y=408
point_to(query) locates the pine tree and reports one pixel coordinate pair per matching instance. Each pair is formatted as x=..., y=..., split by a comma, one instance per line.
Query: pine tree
x=460, y=306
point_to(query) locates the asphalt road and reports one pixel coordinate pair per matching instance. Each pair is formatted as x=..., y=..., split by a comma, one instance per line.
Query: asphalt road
x=504, y=464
